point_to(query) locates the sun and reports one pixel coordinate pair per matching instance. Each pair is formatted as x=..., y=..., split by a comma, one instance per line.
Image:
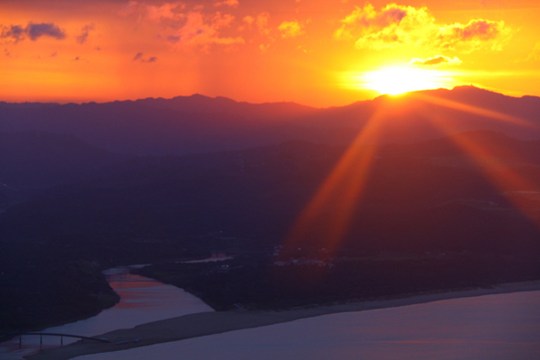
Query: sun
x=396, y=80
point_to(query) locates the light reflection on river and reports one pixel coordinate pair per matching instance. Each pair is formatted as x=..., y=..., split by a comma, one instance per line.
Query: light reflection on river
x=142, y=300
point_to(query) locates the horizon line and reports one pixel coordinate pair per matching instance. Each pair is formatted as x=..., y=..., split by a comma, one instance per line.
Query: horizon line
x=217, y=97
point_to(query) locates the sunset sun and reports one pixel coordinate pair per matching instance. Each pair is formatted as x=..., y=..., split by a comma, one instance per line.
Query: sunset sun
x=396, y=80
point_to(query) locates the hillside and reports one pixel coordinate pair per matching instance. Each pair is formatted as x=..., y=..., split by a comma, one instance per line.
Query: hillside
x=408, y=184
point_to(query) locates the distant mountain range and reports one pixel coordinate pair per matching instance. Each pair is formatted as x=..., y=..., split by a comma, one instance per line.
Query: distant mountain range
x=197, y=123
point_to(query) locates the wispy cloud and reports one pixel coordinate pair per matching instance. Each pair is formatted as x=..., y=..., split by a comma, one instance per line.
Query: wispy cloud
x=85, y=32
x=202, y=29
x=290, y=29
x=13, y=32
x=145, y=59
x=229, y=3
x=166, y=11
x=260, y=22
x=190, y=24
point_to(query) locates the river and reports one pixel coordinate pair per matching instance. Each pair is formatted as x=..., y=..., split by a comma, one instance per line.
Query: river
x=488, y=327
x=142, y=300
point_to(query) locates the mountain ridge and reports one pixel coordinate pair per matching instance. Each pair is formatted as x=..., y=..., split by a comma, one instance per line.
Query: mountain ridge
x=226, y=98
x=197, y=123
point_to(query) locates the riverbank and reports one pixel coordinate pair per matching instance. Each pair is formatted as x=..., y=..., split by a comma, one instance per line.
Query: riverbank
x=264, y=282
x=142, y=300
x=43, y=294
x=201, y=324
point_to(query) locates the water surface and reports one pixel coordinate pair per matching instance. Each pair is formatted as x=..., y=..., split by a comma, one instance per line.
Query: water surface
x=142, y=300
x=489, y=327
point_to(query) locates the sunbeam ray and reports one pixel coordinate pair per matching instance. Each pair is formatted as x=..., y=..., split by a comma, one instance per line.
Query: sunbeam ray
x=504, y=174
x=475, y=110
x=326, y=218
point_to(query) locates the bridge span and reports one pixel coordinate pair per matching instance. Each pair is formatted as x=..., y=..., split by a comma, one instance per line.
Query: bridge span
x=60, y=335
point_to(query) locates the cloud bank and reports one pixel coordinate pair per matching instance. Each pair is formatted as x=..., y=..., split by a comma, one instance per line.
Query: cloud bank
x=401, y=25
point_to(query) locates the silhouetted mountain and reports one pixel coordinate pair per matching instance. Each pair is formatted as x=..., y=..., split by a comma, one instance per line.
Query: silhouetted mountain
x=157, y=126
x=495, y=145
x=419, y=197
x=34, y=160
x=439, y=113
x=4, y=198
x=202, y=124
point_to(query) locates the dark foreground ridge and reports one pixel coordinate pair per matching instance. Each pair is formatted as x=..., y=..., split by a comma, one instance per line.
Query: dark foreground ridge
x=258, y=282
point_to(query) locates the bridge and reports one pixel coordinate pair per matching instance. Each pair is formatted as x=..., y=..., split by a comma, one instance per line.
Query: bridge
x=60, y=335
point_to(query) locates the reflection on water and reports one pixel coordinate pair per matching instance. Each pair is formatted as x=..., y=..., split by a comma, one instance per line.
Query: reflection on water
x=142, y=300
x=491, y=327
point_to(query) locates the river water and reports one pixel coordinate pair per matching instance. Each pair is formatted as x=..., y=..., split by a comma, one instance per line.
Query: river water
x=489, y=327
x=142, y=300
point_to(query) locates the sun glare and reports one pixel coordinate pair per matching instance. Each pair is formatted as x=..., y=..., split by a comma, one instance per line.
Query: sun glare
x=396, y=80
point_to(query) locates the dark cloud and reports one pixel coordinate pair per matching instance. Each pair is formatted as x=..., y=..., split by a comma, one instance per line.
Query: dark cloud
x=85, y=32
x=173, y=38
x=13, y=32
x=33, y=31
x=145, y=59
x=437, y=60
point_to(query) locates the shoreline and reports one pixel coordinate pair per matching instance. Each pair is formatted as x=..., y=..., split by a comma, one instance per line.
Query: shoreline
x=202, y=324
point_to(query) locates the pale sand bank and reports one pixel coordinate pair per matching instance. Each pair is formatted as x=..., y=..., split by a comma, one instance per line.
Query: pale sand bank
x=195, y=325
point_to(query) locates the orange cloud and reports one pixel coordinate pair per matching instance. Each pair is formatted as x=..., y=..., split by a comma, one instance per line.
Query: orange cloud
x=260, y=22
x=396, y=25
x=203, y=29
x=476, y=33
x=166, y=11
x=188, y=24
x=230, y=3
x=290, y=29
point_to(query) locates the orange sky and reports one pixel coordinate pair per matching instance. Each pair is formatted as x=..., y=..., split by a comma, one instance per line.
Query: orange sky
x=258, y=51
